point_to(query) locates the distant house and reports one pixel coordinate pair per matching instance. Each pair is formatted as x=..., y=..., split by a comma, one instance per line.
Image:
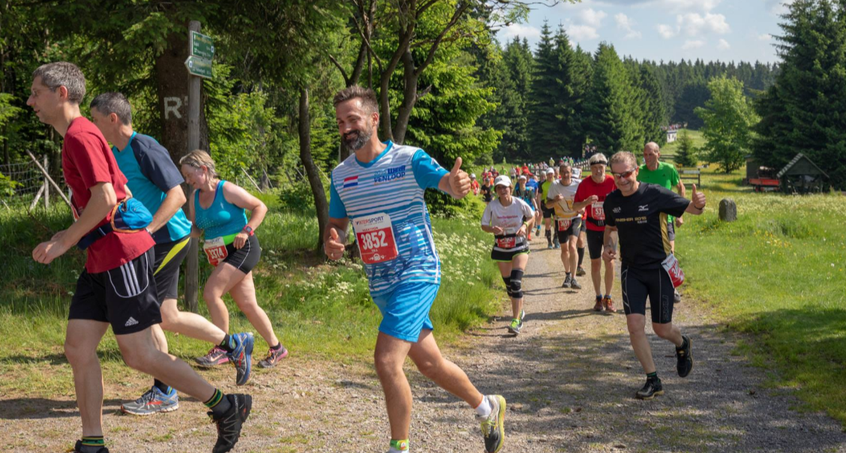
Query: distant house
x=801, y=175
x=672, y=135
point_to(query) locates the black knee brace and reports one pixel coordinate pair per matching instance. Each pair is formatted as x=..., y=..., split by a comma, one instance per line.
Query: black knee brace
x=516, y=284
x=507, y=281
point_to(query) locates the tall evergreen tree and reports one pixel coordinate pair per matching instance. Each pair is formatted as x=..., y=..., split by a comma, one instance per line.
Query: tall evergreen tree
x=545, y=125
x=610, y=117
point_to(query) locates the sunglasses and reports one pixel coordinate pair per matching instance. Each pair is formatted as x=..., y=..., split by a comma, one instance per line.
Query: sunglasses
x=624, y=174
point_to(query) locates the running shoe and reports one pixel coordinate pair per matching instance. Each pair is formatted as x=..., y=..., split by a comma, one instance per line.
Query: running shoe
x=241, y=356
x=651, y=389
x=599, y=305
x=522, y=315
x=78, y=449
x=580, y=272
x=216, y=356
x=684, y=360
x=515, y=326
x=676, y=296
x=574, y=284
x=274, y=357
x=549, y=246
x=229, y=425
x=154, y=400
x=556, y=246
x=609, y=305
x=493, y=428
x=567, y=281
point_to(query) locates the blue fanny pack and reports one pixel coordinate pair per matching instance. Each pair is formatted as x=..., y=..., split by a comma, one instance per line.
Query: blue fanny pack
x=128, y=216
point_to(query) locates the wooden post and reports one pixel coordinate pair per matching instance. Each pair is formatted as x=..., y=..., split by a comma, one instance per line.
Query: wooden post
x=46, y=184
x=49, y=179
x=192, y=266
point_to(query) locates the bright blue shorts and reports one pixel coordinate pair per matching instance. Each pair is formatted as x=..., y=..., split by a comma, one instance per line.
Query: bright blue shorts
x=405, y=310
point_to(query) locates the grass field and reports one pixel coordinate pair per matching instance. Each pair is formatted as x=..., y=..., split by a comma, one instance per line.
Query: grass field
x=318, y=309
x=777, y=273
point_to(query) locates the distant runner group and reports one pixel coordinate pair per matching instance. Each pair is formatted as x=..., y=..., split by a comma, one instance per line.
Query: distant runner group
x=127, y=201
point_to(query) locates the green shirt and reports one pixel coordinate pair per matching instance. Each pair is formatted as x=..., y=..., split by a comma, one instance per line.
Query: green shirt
x=665, y=175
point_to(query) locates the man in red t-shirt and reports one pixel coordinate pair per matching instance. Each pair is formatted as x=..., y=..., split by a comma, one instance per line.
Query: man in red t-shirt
x=117, y=286
x=596, y=188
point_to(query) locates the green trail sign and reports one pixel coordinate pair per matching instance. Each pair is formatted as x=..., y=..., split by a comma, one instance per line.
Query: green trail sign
x=200, y=67
x=201, y=45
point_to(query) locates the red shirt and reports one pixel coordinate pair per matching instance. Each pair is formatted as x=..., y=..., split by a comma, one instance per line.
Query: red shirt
x=587, y=188
x=87, y=161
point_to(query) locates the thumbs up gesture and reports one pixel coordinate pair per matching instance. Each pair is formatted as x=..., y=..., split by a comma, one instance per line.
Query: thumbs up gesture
x=333, y=246
x=698, y=199
x=458, y=180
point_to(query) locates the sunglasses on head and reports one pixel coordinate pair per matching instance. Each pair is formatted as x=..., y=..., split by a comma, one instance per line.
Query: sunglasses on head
x=624, y=174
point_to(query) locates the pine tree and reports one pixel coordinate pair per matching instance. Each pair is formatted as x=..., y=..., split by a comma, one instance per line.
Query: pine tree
x=608, y=111
x=545, y=125
x=687, y=154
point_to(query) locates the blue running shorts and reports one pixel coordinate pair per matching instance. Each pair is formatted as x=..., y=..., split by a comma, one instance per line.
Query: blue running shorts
x=405, y=310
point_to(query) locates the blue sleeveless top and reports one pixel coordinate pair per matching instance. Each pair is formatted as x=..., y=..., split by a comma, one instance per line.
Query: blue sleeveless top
x=222, y=218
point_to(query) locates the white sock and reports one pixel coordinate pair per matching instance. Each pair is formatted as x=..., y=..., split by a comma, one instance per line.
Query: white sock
x=485, y=408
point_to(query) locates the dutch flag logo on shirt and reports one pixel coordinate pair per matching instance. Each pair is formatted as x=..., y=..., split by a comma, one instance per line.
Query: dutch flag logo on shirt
x=352, y=181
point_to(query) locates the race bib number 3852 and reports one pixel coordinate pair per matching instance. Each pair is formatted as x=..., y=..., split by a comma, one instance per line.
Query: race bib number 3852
x=375, y=238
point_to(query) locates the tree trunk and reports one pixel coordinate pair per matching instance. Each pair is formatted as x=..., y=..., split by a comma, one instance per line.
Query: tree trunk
x=409, y=97
x=320, y=203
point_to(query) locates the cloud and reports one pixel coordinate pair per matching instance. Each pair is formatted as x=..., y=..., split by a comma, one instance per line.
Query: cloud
x=670, y=6
x=582, y=32
x=723, y=45
x=765, y=37
x=666, y=31
x=627, y=25
x=692, y=44
x=694, y=24
x=778, y=6
x=523, y=31
x=591, y=17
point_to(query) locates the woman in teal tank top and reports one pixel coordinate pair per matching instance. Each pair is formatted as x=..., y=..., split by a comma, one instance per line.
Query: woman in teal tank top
x=219, y=214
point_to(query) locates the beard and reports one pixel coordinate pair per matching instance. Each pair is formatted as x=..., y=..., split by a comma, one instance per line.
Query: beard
x=356, y=139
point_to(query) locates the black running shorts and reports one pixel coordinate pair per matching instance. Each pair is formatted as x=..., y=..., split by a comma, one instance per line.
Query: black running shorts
x=508, y=255
x=125, y=296
x=169, y=256
x=595, y=241
x=245, y=258
x=547, y=213
x=572, y=230
x=653, y=283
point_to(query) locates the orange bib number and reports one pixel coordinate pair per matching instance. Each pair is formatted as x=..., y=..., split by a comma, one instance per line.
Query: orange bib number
x=375, y=237
x=564, y=224
x=215, y=250
x=671, y=265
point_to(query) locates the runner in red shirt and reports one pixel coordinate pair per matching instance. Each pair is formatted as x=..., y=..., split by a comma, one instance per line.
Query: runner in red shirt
x=596, y=188
x=117, y=285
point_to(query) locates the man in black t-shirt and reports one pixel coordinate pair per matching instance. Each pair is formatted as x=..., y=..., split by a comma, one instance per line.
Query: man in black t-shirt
x=637, y=213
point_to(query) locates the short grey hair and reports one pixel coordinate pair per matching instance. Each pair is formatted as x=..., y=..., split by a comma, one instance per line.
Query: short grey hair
x=62, y=73
x=624, y=157
x=108, y=103
x=598, y=158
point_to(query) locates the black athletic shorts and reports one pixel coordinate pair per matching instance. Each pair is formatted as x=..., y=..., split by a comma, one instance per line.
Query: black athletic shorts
x=671, y=230
x=169, y=256
x=572, y=230
x=595, y=241
x=639, y=284
x=508, y=255
x=583, y=228
x=125, y=296
x=547, y=213
x=245, y=258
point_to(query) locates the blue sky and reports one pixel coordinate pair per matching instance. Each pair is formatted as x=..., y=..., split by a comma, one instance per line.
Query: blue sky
x=725, y=30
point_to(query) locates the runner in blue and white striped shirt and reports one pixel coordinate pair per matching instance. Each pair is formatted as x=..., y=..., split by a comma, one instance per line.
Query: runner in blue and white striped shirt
x=380, y=189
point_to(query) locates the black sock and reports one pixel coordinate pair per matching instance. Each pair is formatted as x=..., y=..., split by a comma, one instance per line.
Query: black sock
x=568, y=275
x=277, y=347
x=652, y=376
x=581, y=255
x=684, y=344
x=218, y=404
x=225, y=344
x=161, y=386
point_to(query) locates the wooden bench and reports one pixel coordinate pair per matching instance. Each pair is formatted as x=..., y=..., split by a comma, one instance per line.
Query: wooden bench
x=691, y=177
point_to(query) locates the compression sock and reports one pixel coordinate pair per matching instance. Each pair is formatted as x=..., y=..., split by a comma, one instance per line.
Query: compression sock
x=653, y=376
x=92, y=443
x=581, y=255
x=161, y=386
x=226, y=344
x=484, y=409
x=399, y=446
x=218, y=404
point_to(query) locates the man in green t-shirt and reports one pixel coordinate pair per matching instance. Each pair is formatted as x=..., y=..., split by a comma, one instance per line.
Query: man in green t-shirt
x=665, y=175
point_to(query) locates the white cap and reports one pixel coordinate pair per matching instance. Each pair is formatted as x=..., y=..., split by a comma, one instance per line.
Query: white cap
x=473, y=175
x=502, y=180
x=550, y=171
x=522, y=177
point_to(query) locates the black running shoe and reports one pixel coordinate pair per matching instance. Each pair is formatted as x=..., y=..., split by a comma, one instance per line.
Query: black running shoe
x=229, y=425
x=684, y=359
x=650, y=390
x=78, y=448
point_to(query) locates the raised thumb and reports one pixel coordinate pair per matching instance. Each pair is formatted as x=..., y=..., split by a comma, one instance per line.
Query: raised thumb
x=694, y=188
x=457, y=165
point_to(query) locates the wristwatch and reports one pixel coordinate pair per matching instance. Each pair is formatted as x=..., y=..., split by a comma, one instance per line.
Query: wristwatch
x=249, y=230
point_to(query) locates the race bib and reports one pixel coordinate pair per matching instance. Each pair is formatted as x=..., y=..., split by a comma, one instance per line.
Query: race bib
x=564, y=224
x=215, y=250
x=671, y=265
x=375, y=238
x=596, y=211
x=506, y=243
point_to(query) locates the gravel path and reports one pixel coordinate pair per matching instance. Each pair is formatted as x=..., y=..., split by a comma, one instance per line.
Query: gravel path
x=569, y=378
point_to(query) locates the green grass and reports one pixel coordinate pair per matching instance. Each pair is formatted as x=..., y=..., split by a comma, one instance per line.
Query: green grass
x=777, y=273
x=318, y=309
x=670, y=149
